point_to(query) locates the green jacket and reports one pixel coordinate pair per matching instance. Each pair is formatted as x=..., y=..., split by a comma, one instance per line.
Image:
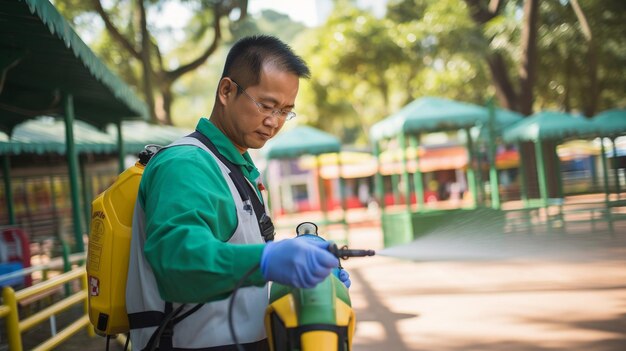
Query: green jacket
x=190, y=214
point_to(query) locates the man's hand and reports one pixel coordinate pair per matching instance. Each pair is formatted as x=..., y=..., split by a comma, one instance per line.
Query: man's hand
x=297, y=263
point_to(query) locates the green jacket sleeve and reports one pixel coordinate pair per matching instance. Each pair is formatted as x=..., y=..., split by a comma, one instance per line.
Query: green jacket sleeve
x=190, y=214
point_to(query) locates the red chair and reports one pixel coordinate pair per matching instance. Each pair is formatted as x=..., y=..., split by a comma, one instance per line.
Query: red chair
x=17, y=248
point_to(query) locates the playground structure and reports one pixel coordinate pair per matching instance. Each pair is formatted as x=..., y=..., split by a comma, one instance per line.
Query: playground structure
x=552, y=210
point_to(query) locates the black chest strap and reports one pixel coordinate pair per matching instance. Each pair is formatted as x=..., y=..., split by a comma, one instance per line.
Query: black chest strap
x=244, y=188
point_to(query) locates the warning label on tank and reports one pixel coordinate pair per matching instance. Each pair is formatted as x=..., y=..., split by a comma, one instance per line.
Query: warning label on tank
x=95, y=251
x=94, y=286
x=97, y=230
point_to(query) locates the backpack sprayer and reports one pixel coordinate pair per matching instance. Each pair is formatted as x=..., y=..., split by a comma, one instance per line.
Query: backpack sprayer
x=319, y=318
x=309, y=319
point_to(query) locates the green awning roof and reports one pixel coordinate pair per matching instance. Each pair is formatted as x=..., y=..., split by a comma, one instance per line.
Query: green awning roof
x=429, y=114
x=547, y=125
x=504, y=118
x=137, y=134
x=611, y=122
x=44, y=59
x=299, y=141
x=47, y=135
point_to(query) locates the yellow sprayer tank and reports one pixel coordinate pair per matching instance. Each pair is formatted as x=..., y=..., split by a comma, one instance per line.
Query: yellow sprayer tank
x=109, y=250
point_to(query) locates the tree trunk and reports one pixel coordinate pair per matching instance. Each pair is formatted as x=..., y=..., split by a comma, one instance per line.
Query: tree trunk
x=591, y=99
x=167, y=99
x=528, y=62
x=146, y=63
x=567, y=103
x=146, y=51
x=504, y=88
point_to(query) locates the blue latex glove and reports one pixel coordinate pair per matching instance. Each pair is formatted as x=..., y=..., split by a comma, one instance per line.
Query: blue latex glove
x=297, y=263
x=344, y=276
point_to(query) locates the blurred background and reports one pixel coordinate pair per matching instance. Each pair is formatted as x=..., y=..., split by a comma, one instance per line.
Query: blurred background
x=480, y=146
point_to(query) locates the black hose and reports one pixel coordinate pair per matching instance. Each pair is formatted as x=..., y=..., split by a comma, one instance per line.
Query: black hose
x=230, y=306
x=127, y=341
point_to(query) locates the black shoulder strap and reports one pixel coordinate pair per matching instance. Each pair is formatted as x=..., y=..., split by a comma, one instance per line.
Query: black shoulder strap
x=244, y=188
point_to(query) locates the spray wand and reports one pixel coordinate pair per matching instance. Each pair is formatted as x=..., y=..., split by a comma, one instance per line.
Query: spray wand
x=344, y=253
x=310, y=228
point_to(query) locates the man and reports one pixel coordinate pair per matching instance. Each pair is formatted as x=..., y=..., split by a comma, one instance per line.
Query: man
x=195, y=234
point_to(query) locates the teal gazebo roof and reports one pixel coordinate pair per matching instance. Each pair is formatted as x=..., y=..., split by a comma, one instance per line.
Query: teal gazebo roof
x=504, y=118
x=611, y=122
x=47, y=135
x=547, y=125
x=301, y=140
x=429, y=114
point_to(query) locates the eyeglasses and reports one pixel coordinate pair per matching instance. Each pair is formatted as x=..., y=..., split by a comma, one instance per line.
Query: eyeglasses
x=266, y=110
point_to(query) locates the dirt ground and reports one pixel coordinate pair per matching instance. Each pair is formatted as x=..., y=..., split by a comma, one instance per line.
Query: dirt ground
x=520, y=304
x=514, y=305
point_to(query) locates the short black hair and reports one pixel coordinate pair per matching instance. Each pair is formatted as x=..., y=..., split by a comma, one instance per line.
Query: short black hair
x=246, y=58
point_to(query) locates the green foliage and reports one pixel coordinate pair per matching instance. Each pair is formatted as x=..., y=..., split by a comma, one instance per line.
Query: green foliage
x=365, y=68
x=562, y=80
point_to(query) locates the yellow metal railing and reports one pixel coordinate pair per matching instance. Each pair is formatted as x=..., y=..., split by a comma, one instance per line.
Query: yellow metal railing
x=15, y=327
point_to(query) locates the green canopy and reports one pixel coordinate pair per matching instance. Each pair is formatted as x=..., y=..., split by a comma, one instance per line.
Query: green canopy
x=503, y=119
x=137, y=134
x=611, y=122
x=301, y=140
x=47, y=135
x=430, y=114
x=506, y=117
x=43, y=59
x=549, y=125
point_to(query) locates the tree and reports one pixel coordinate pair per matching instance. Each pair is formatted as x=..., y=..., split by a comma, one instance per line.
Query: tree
x=128, y=26
x=574, y=76
x=351, y=83
x=520, y=97
x=365, y=68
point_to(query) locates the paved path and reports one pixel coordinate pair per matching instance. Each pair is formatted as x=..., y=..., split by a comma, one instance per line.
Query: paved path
x=539, y=304
x=535, y=304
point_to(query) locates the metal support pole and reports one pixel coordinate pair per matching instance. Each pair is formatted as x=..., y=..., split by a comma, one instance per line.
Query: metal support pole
x=605, y=172
x=471, y=178
x=559, y=174
x=120, y=146
x=378, y=177
x=342, y=194
x=522, y=175
x=616, y=169
x=395, y=182
x=405, y=172
x=86, y=191
x=493, y=171
x=321, y=188
x=541, y=173
x=12, y=319
x=418, y=183
x=72, y=161
x=8, y=190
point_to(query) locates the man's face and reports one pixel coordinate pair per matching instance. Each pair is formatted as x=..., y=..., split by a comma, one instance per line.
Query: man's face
x=243, y=123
